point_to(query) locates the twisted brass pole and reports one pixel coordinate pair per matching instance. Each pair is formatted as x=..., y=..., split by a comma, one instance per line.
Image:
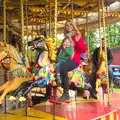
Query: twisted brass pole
x=5, y=21
x=106, y=61
x=99, y=19
x=50, y=18
x=26, y=26
x=72, y=16
x=55, y=21
x=22, y=25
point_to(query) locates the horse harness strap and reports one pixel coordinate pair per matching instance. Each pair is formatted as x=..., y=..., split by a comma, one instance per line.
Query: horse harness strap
x=4, y=66
x=10, y=57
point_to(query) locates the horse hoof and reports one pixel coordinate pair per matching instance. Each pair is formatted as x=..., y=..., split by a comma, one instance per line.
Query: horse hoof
x=22, y=99
x=98, y=97
x=12, y=98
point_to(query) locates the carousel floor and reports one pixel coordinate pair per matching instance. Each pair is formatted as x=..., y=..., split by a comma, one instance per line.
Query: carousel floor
x=76, y=110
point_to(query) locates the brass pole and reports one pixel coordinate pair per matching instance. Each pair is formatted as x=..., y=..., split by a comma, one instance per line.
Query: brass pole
x=5, y=21
x=50, y=17
x=46, y=19
x=22, y=25
x=106, y=61
x=72, y=16
x=26, y=26
x=88, y=51
x=99, y=19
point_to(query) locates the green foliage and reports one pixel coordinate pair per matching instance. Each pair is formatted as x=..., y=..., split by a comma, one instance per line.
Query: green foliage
x=112, y=36
x=91, y=37
x=59, y=41
x=31, y=55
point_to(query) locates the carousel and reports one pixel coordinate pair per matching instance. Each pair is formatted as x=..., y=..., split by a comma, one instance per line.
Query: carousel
x=28, y=58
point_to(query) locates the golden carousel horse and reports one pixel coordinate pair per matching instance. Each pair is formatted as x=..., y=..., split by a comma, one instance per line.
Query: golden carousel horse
x=19, y=72
x=88, y=68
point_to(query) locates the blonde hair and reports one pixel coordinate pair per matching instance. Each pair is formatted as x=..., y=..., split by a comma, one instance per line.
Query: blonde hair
x=74, y=26
x=82, y=31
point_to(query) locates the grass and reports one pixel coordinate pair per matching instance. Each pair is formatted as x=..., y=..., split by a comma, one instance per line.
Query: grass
x=117, y=90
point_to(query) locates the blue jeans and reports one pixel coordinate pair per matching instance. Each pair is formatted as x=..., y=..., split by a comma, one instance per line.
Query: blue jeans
x=58, y=66
x=65, y=67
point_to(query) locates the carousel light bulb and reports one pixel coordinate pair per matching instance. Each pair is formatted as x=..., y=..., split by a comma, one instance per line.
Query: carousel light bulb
x=37, y=10
x=33, y=10
x=64, y=12
x=93, y=14
x=75, y=13
x=69, y=12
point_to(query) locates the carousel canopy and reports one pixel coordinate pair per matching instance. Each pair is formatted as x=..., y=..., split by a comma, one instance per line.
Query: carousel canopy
x=38, y=13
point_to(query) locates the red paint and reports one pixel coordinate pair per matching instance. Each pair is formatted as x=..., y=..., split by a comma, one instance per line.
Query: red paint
x=115, y=116
x=83, y=110
x=116, y=55
x=116, y=58
x=107, y=117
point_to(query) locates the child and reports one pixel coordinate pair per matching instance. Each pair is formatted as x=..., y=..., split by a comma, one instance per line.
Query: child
x=65, y=52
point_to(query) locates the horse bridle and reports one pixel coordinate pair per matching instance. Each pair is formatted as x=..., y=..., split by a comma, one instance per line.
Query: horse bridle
x=3, y=63
x=8, y=57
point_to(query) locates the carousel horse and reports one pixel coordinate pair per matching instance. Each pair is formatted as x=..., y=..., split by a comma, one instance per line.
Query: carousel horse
x=88, y=68
x=45, y=75
x=101, y=78
x=45, y=55
x=19, y=72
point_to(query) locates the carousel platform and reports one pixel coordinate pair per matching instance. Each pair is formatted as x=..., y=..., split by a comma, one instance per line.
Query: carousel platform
x=79, y=109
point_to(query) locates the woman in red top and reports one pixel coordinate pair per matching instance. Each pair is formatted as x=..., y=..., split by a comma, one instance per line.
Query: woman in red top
x=79, y=47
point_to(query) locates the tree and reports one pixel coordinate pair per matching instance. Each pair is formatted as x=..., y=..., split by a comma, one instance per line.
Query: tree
x=112, y=36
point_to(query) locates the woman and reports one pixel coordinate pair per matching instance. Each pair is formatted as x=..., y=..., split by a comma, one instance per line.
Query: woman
x=79, y=48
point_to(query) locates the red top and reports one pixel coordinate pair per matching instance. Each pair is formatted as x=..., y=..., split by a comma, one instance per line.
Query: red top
x=79, y=47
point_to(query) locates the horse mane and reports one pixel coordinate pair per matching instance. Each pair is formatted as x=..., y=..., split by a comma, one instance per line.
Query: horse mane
x=51, y=48
x=15, y=53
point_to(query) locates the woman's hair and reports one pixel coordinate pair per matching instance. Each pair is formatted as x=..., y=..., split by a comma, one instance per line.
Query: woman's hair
x=74, y=26
x=61, y=46
x=82, y=31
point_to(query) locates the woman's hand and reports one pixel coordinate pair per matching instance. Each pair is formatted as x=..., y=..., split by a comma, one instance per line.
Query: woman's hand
x=78, y=36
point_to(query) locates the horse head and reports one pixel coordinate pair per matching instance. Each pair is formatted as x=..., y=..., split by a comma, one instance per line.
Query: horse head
x=3, y=51
x=9, y=52
x=44, y=44
x=37, y=44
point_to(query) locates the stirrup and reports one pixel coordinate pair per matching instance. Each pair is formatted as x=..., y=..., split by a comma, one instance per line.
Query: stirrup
x=12, y=98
